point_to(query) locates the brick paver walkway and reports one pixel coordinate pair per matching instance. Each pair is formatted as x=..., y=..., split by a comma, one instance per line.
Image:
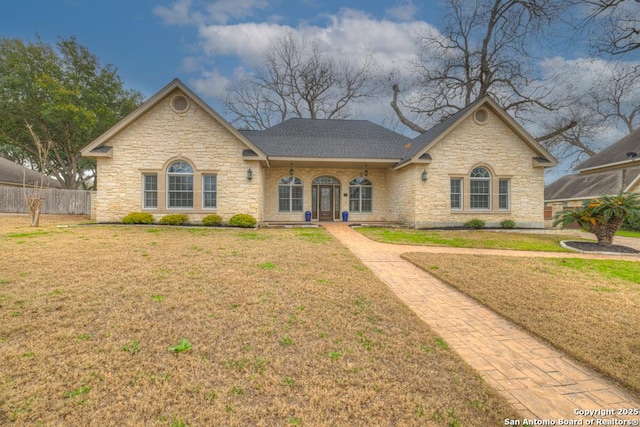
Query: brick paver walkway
x=538, y=381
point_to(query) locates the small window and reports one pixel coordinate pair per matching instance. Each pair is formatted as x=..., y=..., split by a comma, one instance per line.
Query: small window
x=209, y=191
x=480, y=189
x=150, y=191
x=180, y=185
x=290, y=194
x=180, y=104
x=456, y=193
x=481, y=116
x=503, y=194
x=360, y=195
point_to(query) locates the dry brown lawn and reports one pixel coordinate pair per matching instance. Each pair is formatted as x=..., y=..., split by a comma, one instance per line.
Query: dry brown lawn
x=588, y=308
x=286, y=327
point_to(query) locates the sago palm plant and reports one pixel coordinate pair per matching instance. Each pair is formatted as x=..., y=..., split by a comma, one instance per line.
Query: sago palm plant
x=602, y=216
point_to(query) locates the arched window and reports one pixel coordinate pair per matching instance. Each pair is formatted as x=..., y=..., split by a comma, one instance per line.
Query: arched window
x=290, y=194
x=180, y=185
x=360, y=195
x=480, y=189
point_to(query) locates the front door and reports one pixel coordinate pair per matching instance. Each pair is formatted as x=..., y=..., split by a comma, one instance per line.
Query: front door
x=325, y=202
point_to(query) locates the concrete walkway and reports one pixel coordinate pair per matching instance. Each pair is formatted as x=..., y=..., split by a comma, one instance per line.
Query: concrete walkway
x=540, y=382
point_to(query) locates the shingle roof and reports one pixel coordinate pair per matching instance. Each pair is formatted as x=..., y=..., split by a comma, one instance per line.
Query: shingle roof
x=615, y=153
x=586, y=186
x=319, y=138
x=14, y=173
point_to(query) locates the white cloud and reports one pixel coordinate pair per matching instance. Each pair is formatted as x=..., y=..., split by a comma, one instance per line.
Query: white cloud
x=222, y=11
x=210, y=84
x=184, y=12
x=178, y=14
x=404, y=11
x=349, y=34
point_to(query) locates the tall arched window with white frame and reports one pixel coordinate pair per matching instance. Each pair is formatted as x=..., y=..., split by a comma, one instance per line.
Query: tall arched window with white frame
x=180, y=185
x=480, y=188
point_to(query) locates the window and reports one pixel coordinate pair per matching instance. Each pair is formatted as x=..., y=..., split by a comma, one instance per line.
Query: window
x=290, y=194
x=360, y=195
x=150, y=190
x=480, y=189
x=503, y=194
x=180, y=185
x=456, y=193
x=209, y=190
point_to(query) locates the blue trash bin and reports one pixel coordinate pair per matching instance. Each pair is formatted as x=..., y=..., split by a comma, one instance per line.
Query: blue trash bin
x=345, y=216
x=307, y=216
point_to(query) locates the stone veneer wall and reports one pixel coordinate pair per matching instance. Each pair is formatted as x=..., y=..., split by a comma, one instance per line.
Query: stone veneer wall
x=378, y=178
x=492, y=145
x=161, y=136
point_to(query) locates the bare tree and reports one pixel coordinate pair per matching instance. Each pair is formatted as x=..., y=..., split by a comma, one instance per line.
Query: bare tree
x=610, y=103
x=33, y=196
x=298, y=79
x=617, y=23
x=483, y=49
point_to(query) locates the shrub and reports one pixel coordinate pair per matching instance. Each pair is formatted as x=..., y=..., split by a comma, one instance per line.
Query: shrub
x=242, y=220
x=602, y=216
x=474, y=223
x=138, y=218
x=631, y=222
x=174, y=219
x=507, y=223
x=212, y=220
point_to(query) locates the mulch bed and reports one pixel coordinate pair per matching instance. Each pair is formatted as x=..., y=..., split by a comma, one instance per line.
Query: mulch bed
x=595, y=247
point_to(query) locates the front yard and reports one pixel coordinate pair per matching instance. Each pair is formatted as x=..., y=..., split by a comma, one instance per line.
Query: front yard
x=468, y=239
x=588, y=308
x=120, y=325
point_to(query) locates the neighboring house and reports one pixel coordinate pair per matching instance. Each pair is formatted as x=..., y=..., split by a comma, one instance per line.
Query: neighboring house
x=611, y=171
x=175, y=154
x=15, y=175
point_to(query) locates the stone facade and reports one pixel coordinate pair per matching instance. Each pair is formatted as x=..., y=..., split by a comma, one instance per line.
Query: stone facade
x=494, y=146
x=161, y=136
x=149, y=141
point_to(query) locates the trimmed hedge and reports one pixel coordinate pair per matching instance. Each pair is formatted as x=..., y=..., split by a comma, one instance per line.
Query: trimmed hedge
x=242, y=220
x=507, y=223
x=474, y=223
x=138, y=218
x=212, y=220
x=174, y=219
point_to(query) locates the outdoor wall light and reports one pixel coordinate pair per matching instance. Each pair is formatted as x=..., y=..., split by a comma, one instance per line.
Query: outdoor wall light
x=249, y=174
x=291, y=170
x=366, y=170
x=425, y=176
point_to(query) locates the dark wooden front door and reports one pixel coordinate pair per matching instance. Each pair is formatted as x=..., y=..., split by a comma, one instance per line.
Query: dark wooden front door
x=325, y=202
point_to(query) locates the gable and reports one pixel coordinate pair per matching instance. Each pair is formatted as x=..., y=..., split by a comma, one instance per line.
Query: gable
x=170, y=96
x=496, y=118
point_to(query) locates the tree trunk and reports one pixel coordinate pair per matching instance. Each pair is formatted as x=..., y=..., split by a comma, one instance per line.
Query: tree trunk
x=35, y=204
x=605, y=232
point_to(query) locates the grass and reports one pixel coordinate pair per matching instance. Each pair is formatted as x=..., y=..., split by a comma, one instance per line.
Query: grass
x=587, y=308
x=268, y=346
x=626, y=233
x=468, y=239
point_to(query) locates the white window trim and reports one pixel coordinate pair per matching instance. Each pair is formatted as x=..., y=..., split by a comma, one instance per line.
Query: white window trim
x=508, y=194
x=490, y=195
x=461, y=193
x=168, y=191
x=291, y=198
x=215, y=191
x=144, y=191
x=370, y=185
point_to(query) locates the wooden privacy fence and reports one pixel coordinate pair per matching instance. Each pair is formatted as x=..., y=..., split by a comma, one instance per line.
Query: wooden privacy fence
x=56, y=201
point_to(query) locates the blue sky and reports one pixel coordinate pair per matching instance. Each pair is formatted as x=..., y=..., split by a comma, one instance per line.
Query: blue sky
x=208, y=44
x=151, y=42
